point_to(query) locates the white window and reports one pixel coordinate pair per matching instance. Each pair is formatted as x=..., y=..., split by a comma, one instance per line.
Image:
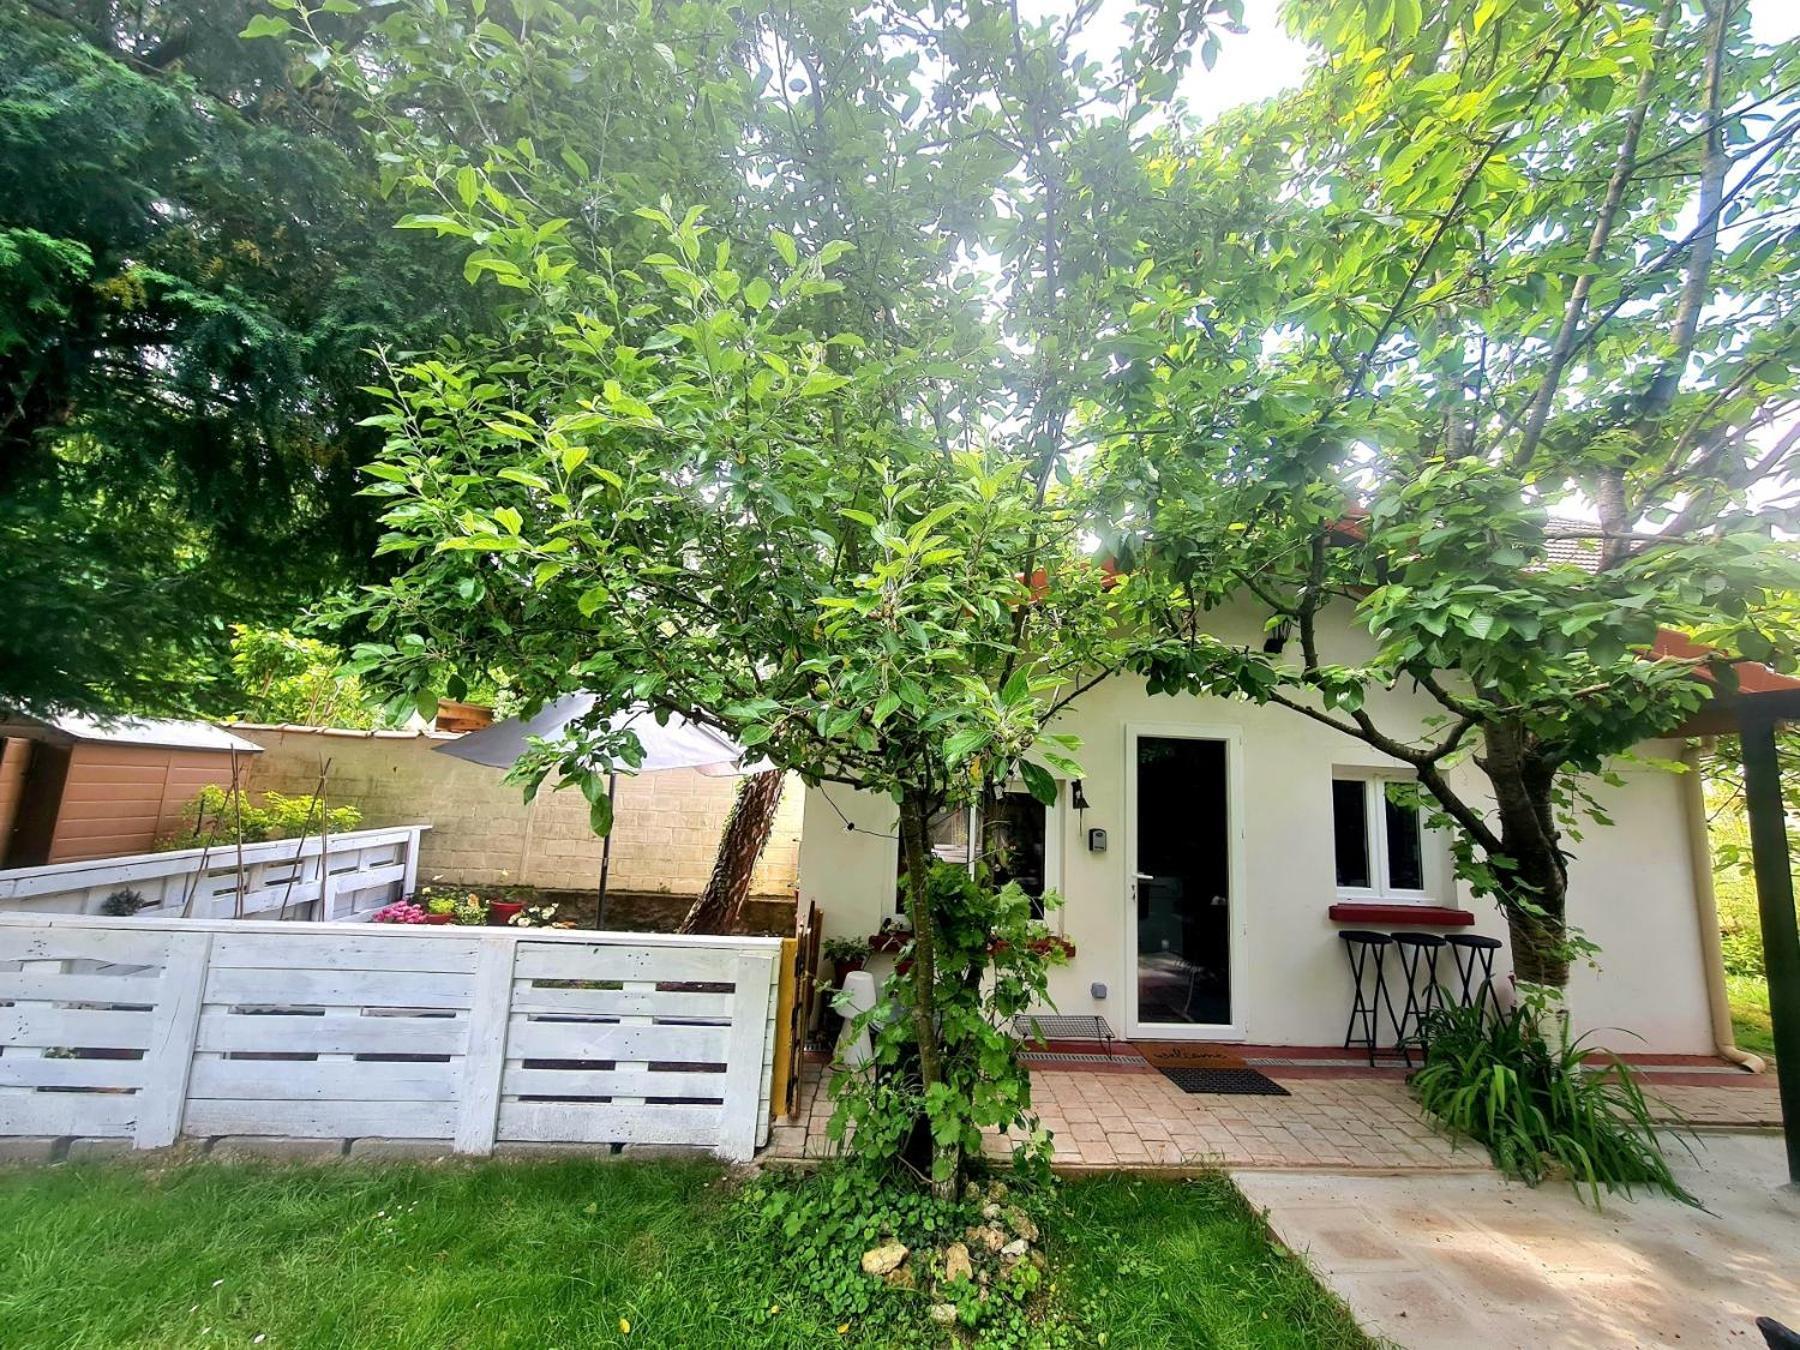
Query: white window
x=1379, y=838
x=1020, y=840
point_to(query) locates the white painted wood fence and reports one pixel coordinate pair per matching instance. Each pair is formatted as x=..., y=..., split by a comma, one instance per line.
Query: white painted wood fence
x=152, y=1030
x=282, y=879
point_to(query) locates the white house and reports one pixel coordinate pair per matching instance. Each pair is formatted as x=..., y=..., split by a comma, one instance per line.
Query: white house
x=1214, y=850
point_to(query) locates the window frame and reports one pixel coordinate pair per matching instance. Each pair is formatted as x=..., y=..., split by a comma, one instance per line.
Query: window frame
x=1053, y=845
x=1374, y=784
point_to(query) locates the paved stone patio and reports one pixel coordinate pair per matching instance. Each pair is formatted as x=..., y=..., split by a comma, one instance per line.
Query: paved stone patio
x=1450, y=1262
x=1344, y=1119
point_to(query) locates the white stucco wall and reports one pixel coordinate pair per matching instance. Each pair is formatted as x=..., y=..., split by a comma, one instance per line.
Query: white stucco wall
x=1631, y=882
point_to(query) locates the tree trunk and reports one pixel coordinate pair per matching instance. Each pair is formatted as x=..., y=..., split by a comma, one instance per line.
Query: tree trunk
x=1535, y=883
x=741, y=843
x=915, y=815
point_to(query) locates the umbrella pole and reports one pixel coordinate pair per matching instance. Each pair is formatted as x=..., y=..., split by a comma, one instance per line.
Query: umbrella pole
x=612, y=788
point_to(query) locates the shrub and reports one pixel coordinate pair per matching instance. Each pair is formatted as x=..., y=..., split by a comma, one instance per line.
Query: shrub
x=1539, y=1104
x=993, y=963
x=816, y=1227
x=212, y=818
x=122, y=904
x=1742, y=950
x=839, y=950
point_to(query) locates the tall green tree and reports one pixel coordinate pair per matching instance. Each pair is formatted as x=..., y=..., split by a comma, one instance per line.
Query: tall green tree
x=795, y=463
x=1483, y=342
x=192, y=266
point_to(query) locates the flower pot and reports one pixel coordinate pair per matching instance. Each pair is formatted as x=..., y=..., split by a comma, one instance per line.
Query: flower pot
x=440, y=918
x=500, y=912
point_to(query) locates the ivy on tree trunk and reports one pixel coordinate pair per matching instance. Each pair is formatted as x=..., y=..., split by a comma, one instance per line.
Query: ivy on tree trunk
x=745, y=836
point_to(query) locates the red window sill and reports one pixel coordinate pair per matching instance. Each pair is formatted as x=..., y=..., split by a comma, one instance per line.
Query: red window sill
x=1414, y=916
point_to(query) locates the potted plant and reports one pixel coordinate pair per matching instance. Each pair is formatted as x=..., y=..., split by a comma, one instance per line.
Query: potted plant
x=440, y=909
x=538, y=916
x=846, y=955
x=470, y=911
x=500, y=912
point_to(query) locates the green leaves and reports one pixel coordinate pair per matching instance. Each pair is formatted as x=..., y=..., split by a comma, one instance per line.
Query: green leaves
x=266, y=25
x=1038, y=782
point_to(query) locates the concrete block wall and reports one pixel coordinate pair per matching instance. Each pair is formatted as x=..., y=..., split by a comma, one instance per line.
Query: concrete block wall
x=666, y=825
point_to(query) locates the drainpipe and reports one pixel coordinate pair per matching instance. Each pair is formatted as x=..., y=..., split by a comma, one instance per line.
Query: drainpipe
x=1706, y=908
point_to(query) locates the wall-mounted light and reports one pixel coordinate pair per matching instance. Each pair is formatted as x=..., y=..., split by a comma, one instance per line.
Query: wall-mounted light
x=1077, y=798
x=1277, y=638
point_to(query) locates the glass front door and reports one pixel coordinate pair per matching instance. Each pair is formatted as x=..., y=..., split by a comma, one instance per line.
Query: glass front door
x=1182, y=889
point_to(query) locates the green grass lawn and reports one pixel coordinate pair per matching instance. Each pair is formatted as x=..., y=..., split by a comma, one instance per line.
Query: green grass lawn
x=1749, y=995
x=561, y=1254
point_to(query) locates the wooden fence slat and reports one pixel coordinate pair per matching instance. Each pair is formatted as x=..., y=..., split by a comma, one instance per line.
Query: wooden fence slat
x=603, y=1123
x=366, y=949
x=110, y=1115
x=323, y=1119
x=171, y=1050
x=21, y=1071
x=785, y=1049
x=142, y=946
x=340, y=988
x=331, y=1034
x=522, y=1082
x=484, y=1061
x=703, y=965
x=31, y=986
x=48, y=1027
x=661, y=1043
x=747, y=1067
x=535, y=998
x=321, y=1080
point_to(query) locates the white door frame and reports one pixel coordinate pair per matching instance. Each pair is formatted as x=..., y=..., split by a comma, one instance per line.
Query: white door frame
x=1234, y=841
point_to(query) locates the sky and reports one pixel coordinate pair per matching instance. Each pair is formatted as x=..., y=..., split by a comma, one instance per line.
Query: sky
x=1265, y=60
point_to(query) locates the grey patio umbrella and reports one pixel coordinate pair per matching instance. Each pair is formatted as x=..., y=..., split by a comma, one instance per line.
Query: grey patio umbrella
x=678, y=744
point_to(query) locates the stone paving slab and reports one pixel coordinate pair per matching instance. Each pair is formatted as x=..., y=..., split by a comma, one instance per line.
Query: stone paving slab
x=1102, y=1121
x=1446, y=1262
x=1348, y=1121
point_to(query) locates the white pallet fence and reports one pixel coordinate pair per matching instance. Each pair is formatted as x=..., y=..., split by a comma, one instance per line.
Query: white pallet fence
x=152, y=1030
x=283, y=878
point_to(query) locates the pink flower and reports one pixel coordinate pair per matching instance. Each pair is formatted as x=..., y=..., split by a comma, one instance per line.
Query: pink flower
x=400, y=911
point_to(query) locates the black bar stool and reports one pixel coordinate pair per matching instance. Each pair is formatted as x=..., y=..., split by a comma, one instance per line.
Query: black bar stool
x=1367, y=949
x=1474, y=957
x=1418, y=950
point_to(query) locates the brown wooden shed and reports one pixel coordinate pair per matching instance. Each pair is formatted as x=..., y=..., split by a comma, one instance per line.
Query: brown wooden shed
x=74, y=788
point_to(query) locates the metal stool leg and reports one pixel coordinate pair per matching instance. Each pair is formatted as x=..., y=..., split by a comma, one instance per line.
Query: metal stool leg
x=1434, y=998
x=1359, y=963
x=1465, y=973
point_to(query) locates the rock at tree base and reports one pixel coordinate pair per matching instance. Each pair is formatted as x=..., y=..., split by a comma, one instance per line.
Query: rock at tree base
x=880, y=1260
x=1022, y=1224
x=944, y=1314
x=957, y=1265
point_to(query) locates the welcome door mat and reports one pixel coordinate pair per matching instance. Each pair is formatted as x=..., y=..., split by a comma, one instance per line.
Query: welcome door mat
x=1188, y=1055
x=1239, y=1082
